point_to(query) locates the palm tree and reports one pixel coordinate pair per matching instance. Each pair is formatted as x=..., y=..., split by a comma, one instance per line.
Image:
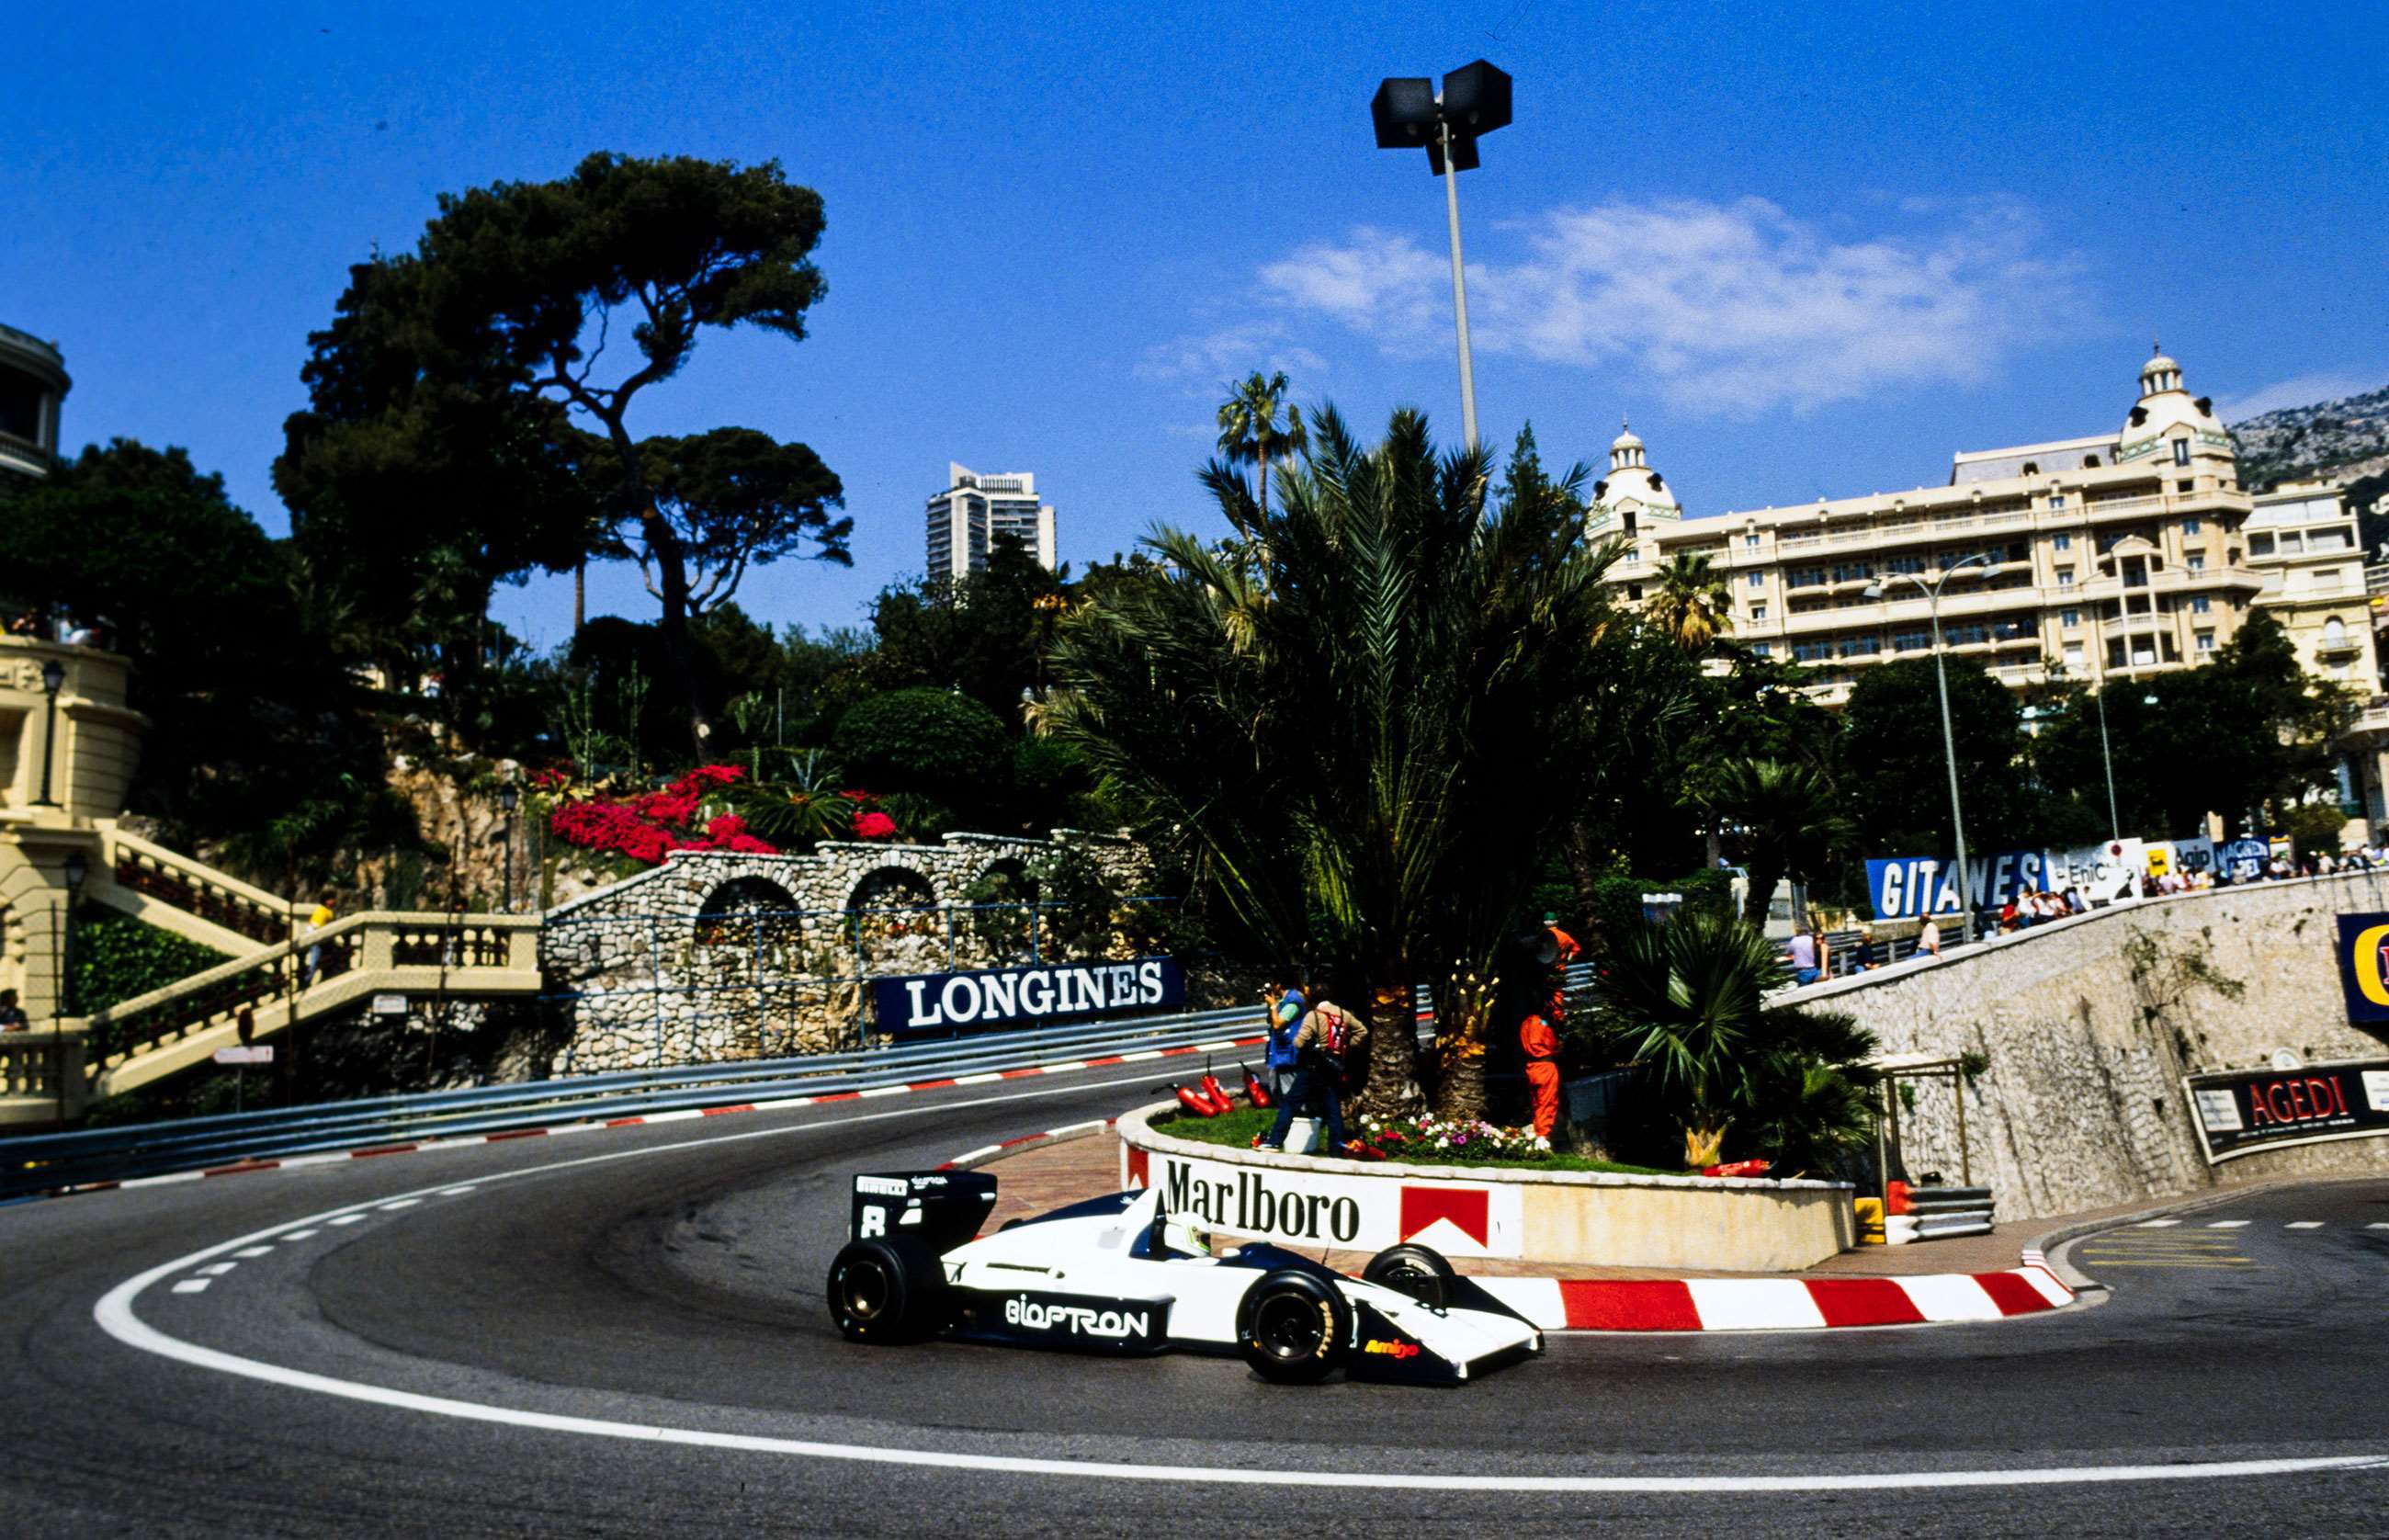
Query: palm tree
x=1249, y=434
x=1685, y=1000
x=1693, y=604
x=1789, y=821
x=1356, y=720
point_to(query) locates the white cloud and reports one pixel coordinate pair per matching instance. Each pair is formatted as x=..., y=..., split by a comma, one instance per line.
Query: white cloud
x=1205, y=360
x=2303, y=390
x=1737, y=308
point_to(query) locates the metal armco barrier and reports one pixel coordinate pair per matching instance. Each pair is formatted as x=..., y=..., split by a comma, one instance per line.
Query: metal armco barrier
x=43, y=1162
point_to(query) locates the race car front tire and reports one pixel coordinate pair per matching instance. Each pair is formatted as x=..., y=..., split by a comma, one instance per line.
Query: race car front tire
x=885, y=1290
x=1294, y=1328
x=1418, y=1271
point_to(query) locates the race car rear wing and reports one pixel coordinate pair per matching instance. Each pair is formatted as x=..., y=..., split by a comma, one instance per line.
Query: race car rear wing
x=941, y=1209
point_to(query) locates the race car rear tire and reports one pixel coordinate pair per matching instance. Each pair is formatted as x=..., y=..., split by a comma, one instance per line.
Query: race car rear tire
x=885, y=1290
x=1294, y=1328
x=1418, y=1271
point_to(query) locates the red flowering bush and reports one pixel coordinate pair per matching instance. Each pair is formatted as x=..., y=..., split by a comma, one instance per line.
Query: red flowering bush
x=874, y=826
x=652, y=825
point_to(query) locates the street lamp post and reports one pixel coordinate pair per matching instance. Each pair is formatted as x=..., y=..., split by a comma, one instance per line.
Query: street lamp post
x=509, y=794
x=1408, y=113
x=54, y=676
x=1875, y=590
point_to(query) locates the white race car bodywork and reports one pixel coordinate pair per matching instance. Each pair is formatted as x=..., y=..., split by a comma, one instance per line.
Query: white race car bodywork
x=1104, y=1274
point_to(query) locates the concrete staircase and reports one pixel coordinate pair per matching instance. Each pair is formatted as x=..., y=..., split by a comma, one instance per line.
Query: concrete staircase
x=48, y=1075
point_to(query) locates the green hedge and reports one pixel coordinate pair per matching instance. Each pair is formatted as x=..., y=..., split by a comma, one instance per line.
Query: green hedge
x=116, y=957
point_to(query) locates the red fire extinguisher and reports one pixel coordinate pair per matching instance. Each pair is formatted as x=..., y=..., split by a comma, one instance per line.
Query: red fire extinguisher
x=1195, y=1103
x=1216, y=1093
x=1255, y=1093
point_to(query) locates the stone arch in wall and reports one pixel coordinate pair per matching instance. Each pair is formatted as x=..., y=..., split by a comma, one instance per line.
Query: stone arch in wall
x=893, y=887
x=734, y=910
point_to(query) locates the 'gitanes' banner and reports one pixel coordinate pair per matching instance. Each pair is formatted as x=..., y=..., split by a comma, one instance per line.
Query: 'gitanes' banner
x=1018, y=996
x=1905, y=887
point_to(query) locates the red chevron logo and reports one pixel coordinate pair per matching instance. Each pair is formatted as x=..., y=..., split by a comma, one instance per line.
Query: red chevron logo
x=1469, y=1209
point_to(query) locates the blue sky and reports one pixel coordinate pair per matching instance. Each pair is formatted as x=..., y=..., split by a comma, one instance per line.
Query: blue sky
x=1807, y=251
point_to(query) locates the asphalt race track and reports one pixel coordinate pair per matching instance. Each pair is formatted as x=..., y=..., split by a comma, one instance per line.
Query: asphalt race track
x=622, y=1334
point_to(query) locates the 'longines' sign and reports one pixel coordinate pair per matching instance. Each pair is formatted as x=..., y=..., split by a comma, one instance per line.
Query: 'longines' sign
x=2251, y=1110
x=947, y=1002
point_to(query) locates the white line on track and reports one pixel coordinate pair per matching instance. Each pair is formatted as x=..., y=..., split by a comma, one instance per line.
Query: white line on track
x=2157, y=1223
x=2229, y=1223
x=254, y=1250
x=2303, y=1224
x=115, y=1315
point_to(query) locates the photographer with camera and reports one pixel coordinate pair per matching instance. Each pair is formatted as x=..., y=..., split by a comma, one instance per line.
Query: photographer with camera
x=1323, y=1049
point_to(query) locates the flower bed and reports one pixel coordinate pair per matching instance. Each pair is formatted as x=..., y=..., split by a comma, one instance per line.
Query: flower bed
x=1422, y=1141
x=692, y=813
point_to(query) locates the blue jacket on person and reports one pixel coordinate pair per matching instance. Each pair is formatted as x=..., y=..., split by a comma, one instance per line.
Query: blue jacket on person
x=1282, y=1026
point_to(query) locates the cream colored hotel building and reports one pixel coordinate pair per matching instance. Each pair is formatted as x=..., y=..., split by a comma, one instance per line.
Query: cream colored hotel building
x=2111, y=557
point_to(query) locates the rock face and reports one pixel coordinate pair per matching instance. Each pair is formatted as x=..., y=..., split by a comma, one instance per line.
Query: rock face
x=2088, y=1026
x=717, y=956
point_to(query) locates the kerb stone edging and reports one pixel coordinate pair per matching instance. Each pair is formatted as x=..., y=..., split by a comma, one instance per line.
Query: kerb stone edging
x=1594, y=1217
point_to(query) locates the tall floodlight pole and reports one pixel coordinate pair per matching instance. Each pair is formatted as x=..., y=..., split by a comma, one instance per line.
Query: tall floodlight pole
x=1409, y=113
x=1948, y=738
x=1459, y=297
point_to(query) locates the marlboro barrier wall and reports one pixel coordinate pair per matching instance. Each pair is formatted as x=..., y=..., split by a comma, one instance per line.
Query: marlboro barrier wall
x=1555, y=1216
x=2101, y=1032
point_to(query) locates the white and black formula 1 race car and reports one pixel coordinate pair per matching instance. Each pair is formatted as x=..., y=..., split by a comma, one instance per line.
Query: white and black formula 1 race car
x=1117, y=1274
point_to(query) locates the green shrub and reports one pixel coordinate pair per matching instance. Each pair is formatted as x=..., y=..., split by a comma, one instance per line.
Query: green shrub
x=116, y=957
x=931, y=743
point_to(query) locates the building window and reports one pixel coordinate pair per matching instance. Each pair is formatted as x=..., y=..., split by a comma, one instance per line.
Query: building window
x=1758, y=580
x=1634, y=592
x=1758, y=612
x=1810, y=652
x=2064, y=542
x=1764, y=649
x=2057, y=499
x=2189, y=526
x=2196, y=561
x=2200, y=604
x=1750, y=542
x=2074, y=655
x=2260, y=545
x=2066, y=577
x=1910, y=641
x=2069, y=618
x=2181, y=452
x=2205, y=640
x=2334, y=633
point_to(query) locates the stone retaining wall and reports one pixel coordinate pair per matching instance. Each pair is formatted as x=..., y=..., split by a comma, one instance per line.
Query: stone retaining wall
x=718, y=956
x=2089, y=1025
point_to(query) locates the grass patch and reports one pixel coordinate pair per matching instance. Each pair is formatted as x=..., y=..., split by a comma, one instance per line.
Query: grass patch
x=1238, y=1129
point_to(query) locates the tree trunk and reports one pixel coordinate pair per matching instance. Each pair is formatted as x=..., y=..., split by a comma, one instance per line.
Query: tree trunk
x=579, y=596
x=1265, y=486
x=1392, y=1088
x=1766, y=873
x=1459, y=1092
x=663, y=545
